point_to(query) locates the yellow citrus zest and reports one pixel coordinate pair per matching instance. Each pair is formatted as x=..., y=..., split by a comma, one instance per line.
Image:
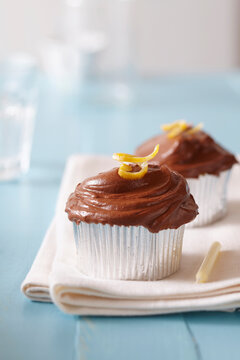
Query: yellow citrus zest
x=133, y=175
x=195, y=129
x=122, y=157
x=125, y=167
x=177, y=130
x=178, y=127
x=125, y=170
x=169, y=127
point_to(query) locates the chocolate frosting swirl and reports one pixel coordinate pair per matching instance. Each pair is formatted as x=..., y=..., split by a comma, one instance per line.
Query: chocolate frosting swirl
x=191, y=155
x=160, y=200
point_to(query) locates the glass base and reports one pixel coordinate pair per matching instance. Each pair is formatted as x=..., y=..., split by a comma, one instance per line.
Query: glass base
x=12, y=168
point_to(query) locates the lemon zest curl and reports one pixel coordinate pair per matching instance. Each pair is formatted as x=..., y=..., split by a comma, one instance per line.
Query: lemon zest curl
x=178, y=127
x=125, y=169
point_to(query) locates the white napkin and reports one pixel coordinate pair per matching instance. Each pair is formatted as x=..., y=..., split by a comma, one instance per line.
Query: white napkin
x=54, y=275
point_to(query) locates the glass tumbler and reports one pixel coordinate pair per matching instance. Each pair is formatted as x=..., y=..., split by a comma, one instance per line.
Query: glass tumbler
x=18, y=92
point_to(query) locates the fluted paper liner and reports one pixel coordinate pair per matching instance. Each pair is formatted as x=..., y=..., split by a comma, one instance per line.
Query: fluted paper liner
x=127, y=252
x=210, y=194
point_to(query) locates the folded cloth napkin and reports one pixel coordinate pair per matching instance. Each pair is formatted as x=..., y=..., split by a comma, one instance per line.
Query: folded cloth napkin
x=55, y=277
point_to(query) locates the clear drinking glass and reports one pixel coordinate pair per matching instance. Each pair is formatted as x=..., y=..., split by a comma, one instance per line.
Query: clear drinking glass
x=18, y=92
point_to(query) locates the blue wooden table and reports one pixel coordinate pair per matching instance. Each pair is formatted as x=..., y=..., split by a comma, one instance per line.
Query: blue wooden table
x=92, y=122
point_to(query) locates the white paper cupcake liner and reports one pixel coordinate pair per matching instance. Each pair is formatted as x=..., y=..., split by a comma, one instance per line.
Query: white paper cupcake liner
x=210, y=194
x=127, y=253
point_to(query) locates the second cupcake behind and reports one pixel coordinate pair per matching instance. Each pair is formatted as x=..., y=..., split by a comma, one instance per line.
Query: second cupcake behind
x=204, y=163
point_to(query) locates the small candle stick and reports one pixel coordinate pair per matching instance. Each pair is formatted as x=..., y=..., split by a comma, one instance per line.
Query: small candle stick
x=208, y=263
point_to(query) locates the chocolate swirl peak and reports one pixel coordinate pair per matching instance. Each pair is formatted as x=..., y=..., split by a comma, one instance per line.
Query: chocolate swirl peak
x=190, y=154
x=160, y=200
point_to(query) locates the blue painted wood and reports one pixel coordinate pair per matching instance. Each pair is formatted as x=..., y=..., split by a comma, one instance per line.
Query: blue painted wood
x=153, y=337
x=92, y=122
x=27, y=330
x=216, y=334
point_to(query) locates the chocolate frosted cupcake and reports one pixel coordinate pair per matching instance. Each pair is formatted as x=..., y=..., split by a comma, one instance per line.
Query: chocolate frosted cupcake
x=130, y=226
x=204, y=163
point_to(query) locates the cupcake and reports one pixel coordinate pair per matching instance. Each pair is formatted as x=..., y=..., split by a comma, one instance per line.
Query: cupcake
x=129, y=221
x=205, y=164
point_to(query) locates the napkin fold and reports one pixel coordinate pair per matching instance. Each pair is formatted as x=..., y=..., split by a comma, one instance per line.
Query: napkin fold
x=54, y=275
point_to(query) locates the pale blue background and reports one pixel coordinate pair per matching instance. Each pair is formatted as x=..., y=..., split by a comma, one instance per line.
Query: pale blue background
x=91, y=122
